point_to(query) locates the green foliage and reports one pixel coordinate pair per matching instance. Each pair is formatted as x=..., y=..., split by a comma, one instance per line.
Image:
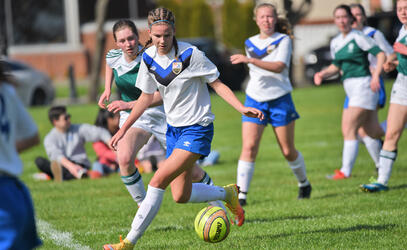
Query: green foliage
x=237, y=23
x=193, y=18
x=338, y=215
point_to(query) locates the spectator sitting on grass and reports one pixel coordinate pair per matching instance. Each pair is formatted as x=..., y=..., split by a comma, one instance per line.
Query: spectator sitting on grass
x=65, y=147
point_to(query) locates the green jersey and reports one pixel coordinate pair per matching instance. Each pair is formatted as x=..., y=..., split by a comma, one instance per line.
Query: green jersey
x=125, y=74
x=350, y=53
x=402, y=38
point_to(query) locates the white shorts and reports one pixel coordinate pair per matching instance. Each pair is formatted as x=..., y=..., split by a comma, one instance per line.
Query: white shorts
x=399, y=90
x=153, y=120
x=360, y=94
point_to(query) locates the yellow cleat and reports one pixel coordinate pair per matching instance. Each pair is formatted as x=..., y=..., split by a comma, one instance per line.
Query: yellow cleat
x=123, y=245
x=232, y=202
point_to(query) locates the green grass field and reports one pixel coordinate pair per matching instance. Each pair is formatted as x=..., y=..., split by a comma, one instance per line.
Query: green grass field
x=86, y=214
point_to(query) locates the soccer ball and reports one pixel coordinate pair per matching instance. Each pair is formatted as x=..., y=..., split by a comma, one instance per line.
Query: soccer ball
x=212, y=224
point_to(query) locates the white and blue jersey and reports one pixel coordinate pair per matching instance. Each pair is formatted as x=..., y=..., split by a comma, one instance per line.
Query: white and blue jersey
x=182, y=82
x=15, y=124
x=17, y=222
x=265, y=85
x=268, y=91
x=125, y=75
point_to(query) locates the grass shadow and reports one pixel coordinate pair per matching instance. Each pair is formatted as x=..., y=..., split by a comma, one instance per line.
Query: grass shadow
x=283, y=218
x=402, y=186
x=356, y=228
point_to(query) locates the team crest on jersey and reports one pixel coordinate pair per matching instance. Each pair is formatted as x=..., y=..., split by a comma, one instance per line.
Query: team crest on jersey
x=270, y=48
x=176, y=67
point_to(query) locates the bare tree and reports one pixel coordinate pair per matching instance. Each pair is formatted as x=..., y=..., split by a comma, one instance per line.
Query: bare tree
x=100, y=14
x=295, y=15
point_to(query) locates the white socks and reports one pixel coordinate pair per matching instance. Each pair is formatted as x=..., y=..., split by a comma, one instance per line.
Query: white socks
x=146, y=213
x=204, y=193
x=298, y=168
x=349, y=154
x=373, y=146
x=245, y=172
x=207, y=180
x=135, y=186
x=387, y=159
x=152, y=202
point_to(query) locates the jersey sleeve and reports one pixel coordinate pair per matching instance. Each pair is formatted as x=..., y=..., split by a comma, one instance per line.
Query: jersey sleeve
x=203, y=67
x=145, y=81
x=367, y=43
x=54, y=152
x=284, y=51
x=94, y=133
x=383, y=43
x=334, y=61
x=26, y=126
x=112, y=57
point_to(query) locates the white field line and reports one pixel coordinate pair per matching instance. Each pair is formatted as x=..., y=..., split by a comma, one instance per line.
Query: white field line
x=63, y=239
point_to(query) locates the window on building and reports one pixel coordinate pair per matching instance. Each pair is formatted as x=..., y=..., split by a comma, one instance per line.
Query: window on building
x=37, y=22
x=116, y=9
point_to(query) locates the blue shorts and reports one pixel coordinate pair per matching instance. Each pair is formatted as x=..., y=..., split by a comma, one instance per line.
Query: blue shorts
x=195, y=138
x=278, y=112
x=17, y=223
x=382, y=96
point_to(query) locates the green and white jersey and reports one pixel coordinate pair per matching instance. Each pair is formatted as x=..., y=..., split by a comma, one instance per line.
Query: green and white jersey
x=350, y=53
x=402, y=38
x=125, y=74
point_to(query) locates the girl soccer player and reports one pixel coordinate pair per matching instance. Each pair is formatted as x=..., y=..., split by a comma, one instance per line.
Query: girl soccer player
x=18, y=132
x=348, y=50
x=123, y=64
x=181, y=73
x=397, y=114
x=269, y=89
x=372, y=145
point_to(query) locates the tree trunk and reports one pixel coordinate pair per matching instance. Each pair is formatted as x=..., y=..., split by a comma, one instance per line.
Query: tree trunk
x=100, y=14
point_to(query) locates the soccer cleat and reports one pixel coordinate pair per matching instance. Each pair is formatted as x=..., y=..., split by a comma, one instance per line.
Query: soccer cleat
x=41, y=177
x=373, y=187
x=242, y=202
x=337, y=176
x=232, y=202
x=304, y=192
x=123, y=245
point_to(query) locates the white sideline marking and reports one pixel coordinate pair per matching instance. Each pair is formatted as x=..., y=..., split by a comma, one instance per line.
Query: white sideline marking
x=63, y=239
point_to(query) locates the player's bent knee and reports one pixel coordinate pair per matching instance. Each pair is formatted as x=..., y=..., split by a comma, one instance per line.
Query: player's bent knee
x=181, y=198
x=124, y=160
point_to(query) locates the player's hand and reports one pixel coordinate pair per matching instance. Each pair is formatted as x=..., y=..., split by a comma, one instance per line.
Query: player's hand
x=80, y=171
x=104, y=98
x=400, y=48
x=252, y=112
x=239, y=58
x=115, y=139
x=118, y=106
x=375, y=83
x=318, y=78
